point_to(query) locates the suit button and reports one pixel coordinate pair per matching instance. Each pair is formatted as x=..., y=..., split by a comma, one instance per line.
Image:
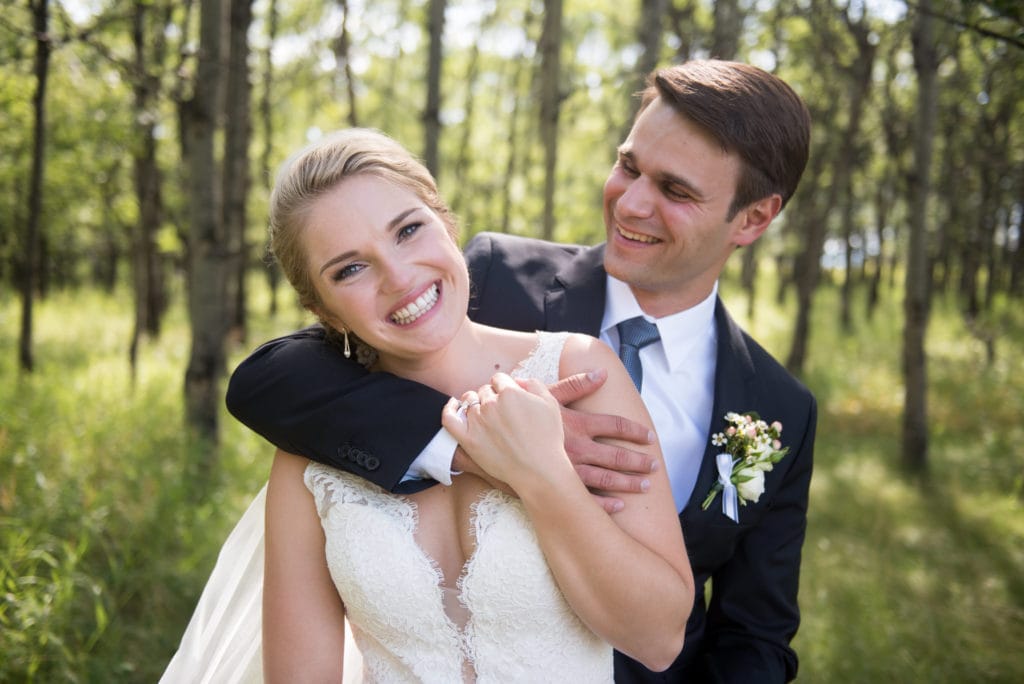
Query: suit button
x=372, y=462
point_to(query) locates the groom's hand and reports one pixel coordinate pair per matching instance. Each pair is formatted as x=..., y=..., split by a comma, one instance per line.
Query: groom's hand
x=608, y=468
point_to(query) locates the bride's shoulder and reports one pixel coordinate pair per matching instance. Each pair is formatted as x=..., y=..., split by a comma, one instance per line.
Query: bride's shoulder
x=582, y=353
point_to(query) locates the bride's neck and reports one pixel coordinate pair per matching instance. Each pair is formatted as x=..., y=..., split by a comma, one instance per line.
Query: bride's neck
x=449, y=369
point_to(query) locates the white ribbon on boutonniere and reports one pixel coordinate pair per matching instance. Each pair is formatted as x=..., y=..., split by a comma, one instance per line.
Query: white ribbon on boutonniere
x=752, y=448
x=730, y=507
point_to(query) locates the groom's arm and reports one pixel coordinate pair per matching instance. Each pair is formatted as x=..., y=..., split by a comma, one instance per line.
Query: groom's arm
x=305, y=397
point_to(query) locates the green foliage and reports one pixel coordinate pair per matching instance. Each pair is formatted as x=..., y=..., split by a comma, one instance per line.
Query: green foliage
x=910, y=581
x=105, y=547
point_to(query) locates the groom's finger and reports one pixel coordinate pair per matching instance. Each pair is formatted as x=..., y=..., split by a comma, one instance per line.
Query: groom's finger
x=612, y=481
x=575, y=387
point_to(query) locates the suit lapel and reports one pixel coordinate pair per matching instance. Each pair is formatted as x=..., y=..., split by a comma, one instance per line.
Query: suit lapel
x=575, y=300
x=733, y=373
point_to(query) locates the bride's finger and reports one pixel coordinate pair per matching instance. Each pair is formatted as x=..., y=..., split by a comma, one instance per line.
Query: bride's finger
x=535, y=386
x=502, y=381
x=487, y=394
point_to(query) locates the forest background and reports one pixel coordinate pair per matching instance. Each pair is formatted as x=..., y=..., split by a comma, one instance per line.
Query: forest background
x=138, y=142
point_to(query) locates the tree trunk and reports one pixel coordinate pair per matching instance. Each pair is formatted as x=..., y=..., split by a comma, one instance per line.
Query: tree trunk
x=550, y=106
x=237, y=136
x=344, y=63
x=814, y=202
x=392, y=82
x=725, y=37
x=30, y=273
x=684, y=28
x=918, y=282
x=519, y=75
x=461, y=204
x=748, y=276
x=859, y=74
x=207, y=245
x=649, y=33
x=148, y=283
x=1016, y=286
x=432, y=112
x=267, y=124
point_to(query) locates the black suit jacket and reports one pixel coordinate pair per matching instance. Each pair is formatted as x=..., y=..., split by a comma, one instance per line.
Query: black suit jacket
x=307, y=399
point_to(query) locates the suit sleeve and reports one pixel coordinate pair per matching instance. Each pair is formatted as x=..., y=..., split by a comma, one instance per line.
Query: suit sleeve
x=305, y=397
x=753, y=613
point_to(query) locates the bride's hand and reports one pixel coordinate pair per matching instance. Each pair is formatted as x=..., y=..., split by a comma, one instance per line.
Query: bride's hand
x=511, y=430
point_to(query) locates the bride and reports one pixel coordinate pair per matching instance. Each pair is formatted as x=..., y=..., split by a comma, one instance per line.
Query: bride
x=518, y=575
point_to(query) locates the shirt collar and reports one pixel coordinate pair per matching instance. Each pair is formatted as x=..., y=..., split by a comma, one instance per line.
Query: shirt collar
x=680, y=332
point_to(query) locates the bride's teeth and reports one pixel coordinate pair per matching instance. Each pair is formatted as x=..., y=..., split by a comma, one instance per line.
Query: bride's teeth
x=413, y=310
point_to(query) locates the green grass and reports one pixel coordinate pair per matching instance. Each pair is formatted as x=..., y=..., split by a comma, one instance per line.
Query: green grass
x=104, y=551
x=902, y=580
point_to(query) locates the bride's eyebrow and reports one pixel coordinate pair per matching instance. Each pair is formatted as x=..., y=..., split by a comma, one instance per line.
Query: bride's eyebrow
x=397, y=221
x=341, y=257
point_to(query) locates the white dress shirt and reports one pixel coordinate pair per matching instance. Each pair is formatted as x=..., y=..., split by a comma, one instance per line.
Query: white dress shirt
x=678, y=380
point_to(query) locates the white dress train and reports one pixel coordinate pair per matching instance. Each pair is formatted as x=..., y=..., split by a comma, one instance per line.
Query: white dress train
x=223, y=641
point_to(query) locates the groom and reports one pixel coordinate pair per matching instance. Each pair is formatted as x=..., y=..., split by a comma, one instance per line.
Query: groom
x=714, y=154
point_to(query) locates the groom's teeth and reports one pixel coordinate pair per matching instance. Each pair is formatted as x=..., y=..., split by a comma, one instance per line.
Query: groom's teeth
x=637, y=237
x=413, y=310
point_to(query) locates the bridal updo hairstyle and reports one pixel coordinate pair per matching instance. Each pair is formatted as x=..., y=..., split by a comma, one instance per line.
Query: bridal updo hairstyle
x=319, y=167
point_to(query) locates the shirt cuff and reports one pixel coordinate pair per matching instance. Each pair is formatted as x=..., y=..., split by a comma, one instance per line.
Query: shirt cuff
x=435, y=461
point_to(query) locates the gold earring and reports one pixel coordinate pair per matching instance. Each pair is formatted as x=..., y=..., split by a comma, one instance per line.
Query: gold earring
x=348, y=350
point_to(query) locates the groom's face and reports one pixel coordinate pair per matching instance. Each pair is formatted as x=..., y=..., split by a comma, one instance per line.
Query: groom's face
x=666, y=204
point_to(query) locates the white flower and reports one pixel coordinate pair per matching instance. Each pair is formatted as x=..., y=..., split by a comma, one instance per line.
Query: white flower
x=718, y=439
x=750, y=485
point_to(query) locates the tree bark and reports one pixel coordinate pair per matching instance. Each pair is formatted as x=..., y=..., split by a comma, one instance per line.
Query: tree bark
x=148, y=282
x=267, y=126
x=343, y=59
x=517, y=81
x=725, y=37
x=432, y=112
x=30, y=273
x=550, y=106
x=859, y=73
x=207, y=244
x=237, y=136
x=918, y=282
x=649, y=33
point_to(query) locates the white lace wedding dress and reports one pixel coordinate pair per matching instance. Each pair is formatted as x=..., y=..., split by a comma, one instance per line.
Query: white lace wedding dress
x=506, y=621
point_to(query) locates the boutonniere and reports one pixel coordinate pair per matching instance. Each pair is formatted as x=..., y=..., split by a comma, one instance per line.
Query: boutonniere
x=750, y=448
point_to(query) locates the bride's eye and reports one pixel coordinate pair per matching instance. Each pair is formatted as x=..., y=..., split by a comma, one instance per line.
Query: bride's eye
x=346, y=272
x=407, y=231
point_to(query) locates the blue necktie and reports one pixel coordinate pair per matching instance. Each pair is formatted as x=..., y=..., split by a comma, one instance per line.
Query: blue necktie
x=634, y=335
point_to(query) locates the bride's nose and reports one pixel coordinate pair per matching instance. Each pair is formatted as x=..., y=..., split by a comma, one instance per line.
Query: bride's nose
x=396, y=276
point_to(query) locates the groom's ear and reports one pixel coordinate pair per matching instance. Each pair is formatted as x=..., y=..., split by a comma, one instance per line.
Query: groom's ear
x=755, y=219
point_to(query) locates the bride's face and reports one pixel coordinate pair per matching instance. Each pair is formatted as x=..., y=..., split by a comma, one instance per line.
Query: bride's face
x=386, y=267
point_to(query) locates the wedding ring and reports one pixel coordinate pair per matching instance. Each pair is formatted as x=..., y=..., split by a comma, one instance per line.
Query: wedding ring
x=466, y=405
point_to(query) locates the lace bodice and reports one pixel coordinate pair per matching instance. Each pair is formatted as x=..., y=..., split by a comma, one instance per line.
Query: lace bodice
x=510, y=622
